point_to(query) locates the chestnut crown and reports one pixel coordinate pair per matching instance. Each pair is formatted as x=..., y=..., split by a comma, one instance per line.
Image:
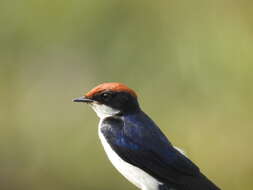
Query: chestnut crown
x=115, y=95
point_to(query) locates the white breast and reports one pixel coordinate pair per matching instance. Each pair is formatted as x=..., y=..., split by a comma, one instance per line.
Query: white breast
x=135, y=175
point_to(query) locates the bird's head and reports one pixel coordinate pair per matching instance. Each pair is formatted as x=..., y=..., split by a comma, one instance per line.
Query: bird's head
x=110, y=99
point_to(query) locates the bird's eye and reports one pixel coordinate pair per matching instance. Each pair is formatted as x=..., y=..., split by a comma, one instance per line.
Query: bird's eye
x=106, y=96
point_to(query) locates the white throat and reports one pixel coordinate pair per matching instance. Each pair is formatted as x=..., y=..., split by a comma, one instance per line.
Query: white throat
x=103, y=111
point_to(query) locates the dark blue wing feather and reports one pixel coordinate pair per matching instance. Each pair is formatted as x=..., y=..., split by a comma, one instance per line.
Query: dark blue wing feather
x=138, y=141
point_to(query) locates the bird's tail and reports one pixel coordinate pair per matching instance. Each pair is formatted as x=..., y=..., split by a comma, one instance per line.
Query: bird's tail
x=191, y=183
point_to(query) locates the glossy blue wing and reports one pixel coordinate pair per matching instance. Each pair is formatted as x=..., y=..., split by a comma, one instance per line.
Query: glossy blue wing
x=147, y=148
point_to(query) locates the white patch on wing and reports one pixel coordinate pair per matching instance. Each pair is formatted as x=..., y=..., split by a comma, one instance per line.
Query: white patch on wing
x=135, y=175
x=180, y=150
x=103, y=111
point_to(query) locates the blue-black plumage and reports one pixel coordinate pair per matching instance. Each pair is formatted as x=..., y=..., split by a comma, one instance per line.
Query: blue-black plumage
x=138, y=141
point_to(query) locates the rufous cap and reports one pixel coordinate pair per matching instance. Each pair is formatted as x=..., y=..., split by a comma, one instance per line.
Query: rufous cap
x=113, y=86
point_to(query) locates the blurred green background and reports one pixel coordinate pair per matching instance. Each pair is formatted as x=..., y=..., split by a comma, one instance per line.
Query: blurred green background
x=189, y=61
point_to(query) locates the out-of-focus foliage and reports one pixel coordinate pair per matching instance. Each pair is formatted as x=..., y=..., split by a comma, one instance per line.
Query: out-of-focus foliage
x=190, y=61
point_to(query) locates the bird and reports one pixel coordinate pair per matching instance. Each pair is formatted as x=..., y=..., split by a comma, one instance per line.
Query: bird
x=136, y=146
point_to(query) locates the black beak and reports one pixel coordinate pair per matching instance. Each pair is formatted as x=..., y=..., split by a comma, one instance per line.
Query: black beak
x=82, y=99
